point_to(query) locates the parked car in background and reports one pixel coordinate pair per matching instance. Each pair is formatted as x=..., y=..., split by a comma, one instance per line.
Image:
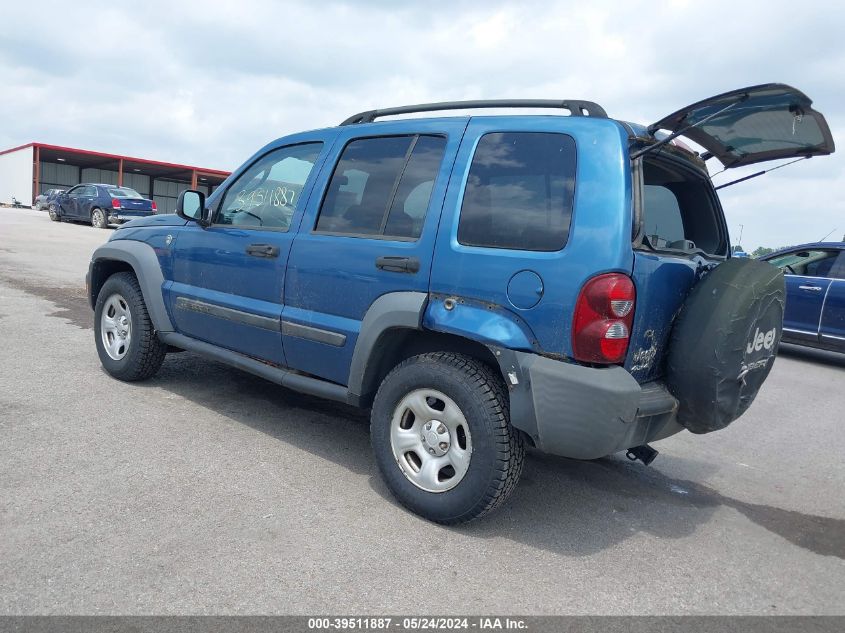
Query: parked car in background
x=100, y=205
x=815, y=294
x=42, y=202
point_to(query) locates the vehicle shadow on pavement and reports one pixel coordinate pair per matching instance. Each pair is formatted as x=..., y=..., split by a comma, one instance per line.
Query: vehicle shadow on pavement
x=570, y=507
x=586, y=506
x=810, y=354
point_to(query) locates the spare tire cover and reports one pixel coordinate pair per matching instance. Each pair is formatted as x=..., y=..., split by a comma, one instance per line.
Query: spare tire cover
x=724, y=342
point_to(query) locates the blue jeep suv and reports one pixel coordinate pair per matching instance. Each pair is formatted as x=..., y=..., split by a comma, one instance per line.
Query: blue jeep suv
x=481, y=283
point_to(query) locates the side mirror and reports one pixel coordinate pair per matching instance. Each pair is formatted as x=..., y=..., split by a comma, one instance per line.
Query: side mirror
x=191, y=206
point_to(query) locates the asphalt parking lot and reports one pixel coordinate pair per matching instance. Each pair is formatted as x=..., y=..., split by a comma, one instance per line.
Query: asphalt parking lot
x=206, y=490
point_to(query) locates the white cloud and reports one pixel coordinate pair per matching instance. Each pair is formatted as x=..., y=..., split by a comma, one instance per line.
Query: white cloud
x=209, y=83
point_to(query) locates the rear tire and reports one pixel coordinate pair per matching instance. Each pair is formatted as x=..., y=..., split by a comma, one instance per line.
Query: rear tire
x=98, y=219
x=126, y=340
x=442, y=437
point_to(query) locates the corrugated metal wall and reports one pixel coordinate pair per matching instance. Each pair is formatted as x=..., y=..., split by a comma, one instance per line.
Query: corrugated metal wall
x=138, y=182
x=57, y=176
x=165, y=193
x=104, y=176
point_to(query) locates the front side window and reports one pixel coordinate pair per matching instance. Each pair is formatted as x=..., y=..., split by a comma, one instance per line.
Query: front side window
x=809, y=263
x=519, y=192
x=268, y=193
x=382, y=186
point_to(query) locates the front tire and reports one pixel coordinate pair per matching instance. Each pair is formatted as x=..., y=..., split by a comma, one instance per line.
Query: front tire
x=98, y=219
x=54, y=213
x=442, y=437
x=126, y=341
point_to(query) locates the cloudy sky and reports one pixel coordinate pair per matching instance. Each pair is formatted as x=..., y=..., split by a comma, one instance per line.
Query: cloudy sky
x=208, y=83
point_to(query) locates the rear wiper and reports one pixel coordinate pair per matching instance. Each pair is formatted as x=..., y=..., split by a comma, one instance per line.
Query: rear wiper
x=759, y=173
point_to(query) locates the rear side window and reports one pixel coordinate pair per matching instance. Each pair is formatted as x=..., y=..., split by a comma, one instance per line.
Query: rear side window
x=519, y=192
x=382, y=186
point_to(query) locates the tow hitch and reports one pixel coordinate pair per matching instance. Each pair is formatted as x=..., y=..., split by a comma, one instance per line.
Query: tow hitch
x=644, y=453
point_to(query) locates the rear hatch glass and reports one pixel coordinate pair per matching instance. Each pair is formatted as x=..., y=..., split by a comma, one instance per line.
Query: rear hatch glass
x=752, y=125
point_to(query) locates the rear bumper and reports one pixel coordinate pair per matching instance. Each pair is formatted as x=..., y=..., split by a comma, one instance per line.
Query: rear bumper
x=120, y=218
x=584, y=412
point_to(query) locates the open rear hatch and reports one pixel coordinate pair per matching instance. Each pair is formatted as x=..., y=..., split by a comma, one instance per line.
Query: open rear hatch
x=682, y=232
x=752, y=125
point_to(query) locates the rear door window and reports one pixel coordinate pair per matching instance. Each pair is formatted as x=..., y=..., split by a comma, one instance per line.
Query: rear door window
x=382, y=187
x=519, y=192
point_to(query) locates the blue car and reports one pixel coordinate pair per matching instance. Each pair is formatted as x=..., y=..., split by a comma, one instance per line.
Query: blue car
x=42, y=201
x=100, y=205
x=479, y=283
x=815, y=294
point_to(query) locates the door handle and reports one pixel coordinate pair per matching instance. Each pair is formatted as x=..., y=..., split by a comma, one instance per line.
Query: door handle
x=262, y=250
x=398, y=264
x=810, y=288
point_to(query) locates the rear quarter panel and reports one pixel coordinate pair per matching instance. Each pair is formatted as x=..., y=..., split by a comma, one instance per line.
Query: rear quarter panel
x=599, y=241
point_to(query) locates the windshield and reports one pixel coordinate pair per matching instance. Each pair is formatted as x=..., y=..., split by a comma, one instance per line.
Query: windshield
x=124, y=192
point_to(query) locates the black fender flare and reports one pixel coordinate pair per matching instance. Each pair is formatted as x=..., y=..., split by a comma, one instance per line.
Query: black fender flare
x=144, y=262
x=389, y=311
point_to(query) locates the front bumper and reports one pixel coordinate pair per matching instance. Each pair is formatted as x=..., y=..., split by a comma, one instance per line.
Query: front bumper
x=584, y=412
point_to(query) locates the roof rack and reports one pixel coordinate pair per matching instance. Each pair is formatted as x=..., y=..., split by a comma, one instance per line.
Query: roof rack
x=576, y=107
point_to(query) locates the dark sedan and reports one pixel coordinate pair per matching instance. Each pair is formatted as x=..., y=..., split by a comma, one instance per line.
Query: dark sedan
x=100, y=205
x=42, y=201
x=815, y=294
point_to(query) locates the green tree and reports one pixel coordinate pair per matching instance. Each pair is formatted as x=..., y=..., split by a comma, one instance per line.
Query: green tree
x=762, y=251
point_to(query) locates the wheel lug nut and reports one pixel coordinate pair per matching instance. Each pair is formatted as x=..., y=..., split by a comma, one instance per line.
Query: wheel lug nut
x=443, y=446
x=428, y=426
x=431, y=450
x=441, y=429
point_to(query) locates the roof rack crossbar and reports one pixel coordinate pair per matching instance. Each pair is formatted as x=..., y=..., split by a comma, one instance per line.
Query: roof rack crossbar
x=576, y=107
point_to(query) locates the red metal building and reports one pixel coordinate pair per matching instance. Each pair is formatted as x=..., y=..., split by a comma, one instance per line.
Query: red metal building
x=28, y=170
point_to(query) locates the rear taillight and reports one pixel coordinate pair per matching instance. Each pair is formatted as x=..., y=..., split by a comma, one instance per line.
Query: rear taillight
x=115, y=203
x=155, y=207
x=601, y=327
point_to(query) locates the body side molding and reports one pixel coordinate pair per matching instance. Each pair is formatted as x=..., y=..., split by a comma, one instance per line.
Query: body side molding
x=230, y=314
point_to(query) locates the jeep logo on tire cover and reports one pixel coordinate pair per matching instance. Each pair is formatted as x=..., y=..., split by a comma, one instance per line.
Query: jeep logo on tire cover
x=761, y=340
